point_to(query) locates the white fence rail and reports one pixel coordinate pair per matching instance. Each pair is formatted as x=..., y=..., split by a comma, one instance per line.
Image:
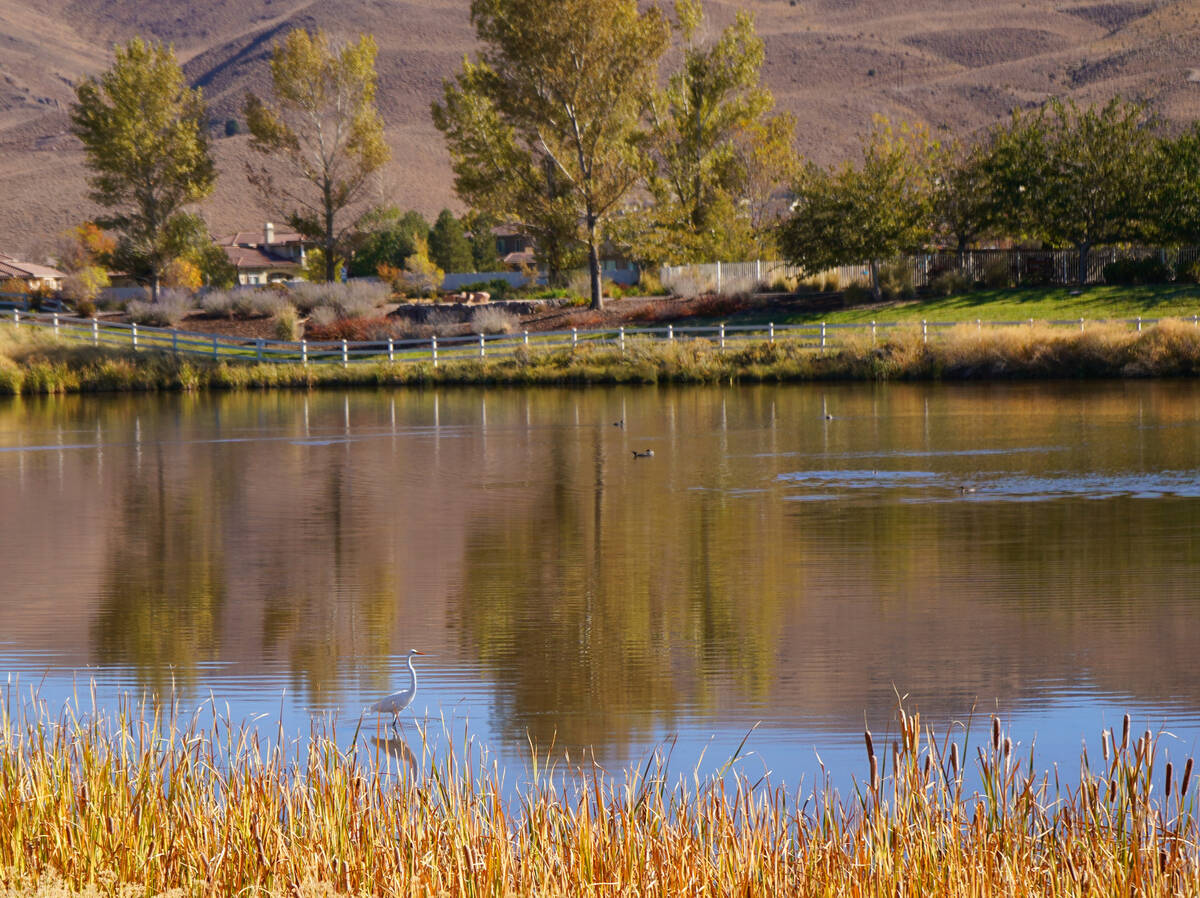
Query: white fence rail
x=814, y=335
x=1050, y=267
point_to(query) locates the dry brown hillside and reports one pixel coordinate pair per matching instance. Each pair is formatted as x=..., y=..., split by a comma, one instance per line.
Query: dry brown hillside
x=955, y=65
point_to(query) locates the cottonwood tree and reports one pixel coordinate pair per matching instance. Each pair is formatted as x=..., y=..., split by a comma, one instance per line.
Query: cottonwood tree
x=322, y=125
x=1082, y=173
x=1176, y=189
x=145, y=141
x=867, y=213
x=966, y=201
x=718, y=155
x=560, y=86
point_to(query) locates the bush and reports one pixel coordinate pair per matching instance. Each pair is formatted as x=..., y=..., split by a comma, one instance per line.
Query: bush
x=650, y=284
x=287, y=324
x=1190, y=273
x=85, y=308
x=996, y=274
x=1148, y=270
x=950, y=283
x=857, y=295
x=259, y=303
x=896, y=281
x=217, y=304
x=497, y=288
x=354, y=299
x=170, y=309
x=490, y=320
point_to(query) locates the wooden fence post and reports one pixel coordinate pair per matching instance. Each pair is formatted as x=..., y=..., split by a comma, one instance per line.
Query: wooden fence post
x=574, y=337
x=95, y=332
x=345, y=355
x=526, y=333
x=670, y=333
x=622, y=331
x=391, y=349
x=482, y=346
x=133, y=327
x=872, y=332
x=433, y=346
x=721, y=330
x=771, y=331
x=822, y=336
x=56, y=324
x=304, y=353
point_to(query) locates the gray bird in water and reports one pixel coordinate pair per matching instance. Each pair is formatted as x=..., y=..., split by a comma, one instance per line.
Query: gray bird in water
x=649, y=453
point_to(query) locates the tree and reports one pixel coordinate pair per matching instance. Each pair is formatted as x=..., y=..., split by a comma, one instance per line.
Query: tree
x=324, y=128
x=718, y=156
x=483, y=242
x=145, y=140
x=966, y=204
x=448, y=244
x=1083, y=173
x=561, y=87
x=850, y=215
x=386, y=236
x=1176, y=189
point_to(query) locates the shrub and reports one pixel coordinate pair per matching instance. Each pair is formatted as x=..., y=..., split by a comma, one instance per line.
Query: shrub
x=170, y=309
x=352, y=329
x=85, y=308
x=491, y=320
x=287, y=324
x=896, y=281
x=857, y=295
x=831, y=282
x=354, y=299
x=259, y=303
x=1148, y=270
x=1190, y=272
x=950, y=283
x=650, y=284
x=217, y=304
x=996, y=274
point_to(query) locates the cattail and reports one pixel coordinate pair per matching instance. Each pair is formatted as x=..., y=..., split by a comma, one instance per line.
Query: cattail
x=1104, y=745
x=928, y=763
x=954, y=758
x=1007, y=749
x=1170, y=770
x=870, y=743
x=1125, y=735
x=874, y=772
x=1187, y=777
x=1112, y=790
x=995, y=734
x=896, y=757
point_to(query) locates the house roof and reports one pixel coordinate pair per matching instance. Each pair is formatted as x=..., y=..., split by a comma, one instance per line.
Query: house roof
x=244, y=257
x=11, y=268
x=525, y=257
x=255, y=238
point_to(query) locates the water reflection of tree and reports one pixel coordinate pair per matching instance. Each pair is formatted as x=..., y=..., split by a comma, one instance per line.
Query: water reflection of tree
x=606, y=609
x=164, y=588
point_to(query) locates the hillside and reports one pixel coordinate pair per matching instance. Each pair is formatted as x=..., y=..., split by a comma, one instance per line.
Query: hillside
x=958, y=66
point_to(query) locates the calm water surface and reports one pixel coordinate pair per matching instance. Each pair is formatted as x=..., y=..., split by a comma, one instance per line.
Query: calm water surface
x=791, y=555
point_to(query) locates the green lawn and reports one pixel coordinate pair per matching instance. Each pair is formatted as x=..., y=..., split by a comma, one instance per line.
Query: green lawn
x=1040, y=303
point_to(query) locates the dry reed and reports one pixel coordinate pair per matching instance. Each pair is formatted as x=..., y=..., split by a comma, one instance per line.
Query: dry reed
x=143, y=799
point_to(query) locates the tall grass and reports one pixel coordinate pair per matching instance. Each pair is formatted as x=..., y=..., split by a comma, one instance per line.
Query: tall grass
x=34, y=362
x=146, y=799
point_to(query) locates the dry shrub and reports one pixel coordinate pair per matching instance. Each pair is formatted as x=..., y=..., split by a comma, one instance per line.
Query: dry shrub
x=354, y=299
x=352, y=329
x=493, y=320
x=716, y=306
x=1170, y=348
x=170, y=309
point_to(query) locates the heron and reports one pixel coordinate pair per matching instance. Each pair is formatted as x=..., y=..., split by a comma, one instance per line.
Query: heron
x=398, y=701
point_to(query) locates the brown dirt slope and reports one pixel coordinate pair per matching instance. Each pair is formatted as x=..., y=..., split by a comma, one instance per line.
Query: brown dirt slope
x=957, y=66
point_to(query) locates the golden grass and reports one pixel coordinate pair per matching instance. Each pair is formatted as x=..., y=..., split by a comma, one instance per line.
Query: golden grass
x=32, y=363
x=142, y=802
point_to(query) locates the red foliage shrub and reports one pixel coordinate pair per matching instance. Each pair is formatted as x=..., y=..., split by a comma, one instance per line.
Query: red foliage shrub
x=352, y=329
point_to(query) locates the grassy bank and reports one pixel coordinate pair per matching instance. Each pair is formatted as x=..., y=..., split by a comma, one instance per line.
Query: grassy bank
x=33, y=363
x=146, y=802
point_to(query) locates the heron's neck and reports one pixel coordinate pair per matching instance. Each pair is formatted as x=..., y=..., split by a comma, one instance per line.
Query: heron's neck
x=412, y=672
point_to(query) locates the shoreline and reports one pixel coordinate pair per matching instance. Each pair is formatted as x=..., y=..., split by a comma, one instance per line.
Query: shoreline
x=40, y=364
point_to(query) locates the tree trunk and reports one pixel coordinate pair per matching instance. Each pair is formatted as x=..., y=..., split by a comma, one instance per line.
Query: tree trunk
x=329, y=241
x=154, y=277
x=594, y=264
x=1083, y=262
x=876, y=290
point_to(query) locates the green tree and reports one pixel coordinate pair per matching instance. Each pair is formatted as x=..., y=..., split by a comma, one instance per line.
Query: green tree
x=868, y=213
x=1176, y=193
x=448, y=244
x=146, y=143
x=714, y=148
x=561, y=85
x=1082, y=174
x=966, y=203
x=324, y=128
x=483, y=242
x=386, y=236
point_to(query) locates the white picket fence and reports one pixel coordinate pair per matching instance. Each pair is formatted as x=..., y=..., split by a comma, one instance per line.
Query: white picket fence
x=1054, y=267
x=815, y=335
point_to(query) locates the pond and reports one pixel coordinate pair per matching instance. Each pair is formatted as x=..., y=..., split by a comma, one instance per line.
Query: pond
x=793, y=557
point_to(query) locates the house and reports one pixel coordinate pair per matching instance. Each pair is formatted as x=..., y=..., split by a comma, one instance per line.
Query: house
x=265, y=257
x=518, y=250
x=34, y=277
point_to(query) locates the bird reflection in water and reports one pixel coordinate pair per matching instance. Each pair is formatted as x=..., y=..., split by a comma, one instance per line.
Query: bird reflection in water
x=397, y=748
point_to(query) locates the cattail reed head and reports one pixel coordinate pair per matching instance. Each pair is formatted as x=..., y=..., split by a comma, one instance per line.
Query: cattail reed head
x=928, y=764
x=1104, y=737
x=1125, y=735
x=870, y=743
x=874, y=772
x=1170, y=770
x=1112, y=791
x=954, y=759
x=995, y=734
x=1187, y=777
x=1007, y=748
